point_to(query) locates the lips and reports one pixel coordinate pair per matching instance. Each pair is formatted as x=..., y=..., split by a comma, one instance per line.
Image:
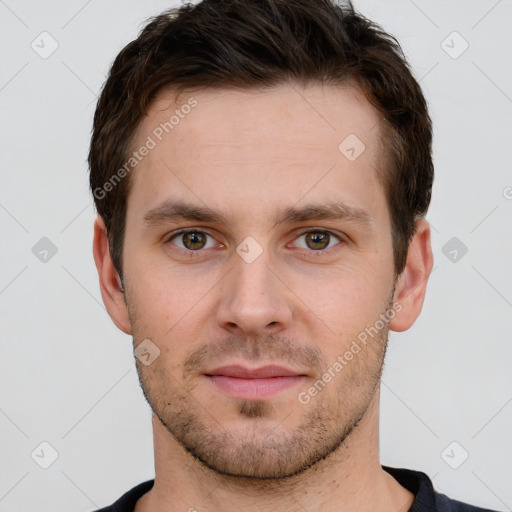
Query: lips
x=253, y=384
x=264, y=372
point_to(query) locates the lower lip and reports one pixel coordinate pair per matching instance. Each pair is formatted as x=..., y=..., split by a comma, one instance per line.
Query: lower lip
x=254, y=389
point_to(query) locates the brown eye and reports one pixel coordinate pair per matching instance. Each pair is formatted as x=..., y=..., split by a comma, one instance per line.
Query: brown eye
x=193, y=240
x=318, y=240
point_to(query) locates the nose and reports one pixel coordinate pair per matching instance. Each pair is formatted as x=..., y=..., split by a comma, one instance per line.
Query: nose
x=254, y=301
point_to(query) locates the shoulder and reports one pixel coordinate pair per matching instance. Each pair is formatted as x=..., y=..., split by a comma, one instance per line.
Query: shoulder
x=126, y=503
x=426, y=499
x=446, y=504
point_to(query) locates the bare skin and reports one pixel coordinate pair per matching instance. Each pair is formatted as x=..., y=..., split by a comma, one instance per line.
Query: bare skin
x=315, y=285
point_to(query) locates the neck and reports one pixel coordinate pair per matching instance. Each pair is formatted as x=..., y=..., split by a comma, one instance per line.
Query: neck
x=349, y=479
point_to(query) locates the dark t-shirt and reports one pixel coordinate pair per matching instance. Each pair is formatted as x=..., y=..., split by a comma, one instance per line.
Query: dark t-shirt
x=425, y=498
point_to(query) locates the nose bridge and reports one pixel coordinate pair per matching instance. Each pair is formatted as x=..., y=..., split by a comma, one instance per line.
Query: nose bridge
x=253, y=279
x=253, y=298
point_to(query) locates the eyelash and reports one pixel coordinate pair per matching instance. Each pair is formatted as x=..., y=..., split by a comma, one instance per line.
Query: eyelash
x=316, y=253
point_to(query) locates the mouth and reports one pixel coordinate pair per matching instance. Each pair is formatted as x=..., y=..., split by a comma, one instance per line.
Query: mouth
x=254, y=384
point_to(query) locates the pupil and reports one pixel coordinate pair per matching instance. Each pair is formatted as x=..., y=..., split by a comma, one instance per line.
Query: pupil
x=319, y=238
x=195, y=240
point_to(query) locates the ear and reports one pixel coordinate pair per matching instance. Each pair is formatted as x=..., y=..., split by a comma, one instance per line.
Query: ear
x=110, y=282
x=412, y=283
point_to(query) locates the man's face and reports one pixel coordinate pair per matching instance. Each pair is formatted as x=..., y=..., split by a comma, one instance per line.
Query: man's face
x=267, y=280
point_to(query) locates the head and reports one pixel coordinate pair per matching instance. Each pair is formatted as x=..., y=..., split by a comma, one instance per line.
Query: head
x=292, y=143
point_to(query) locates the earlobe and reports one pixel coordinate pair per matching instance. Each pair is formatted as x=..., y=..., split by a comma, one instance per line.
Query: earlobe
x=111, y=286
x=411, y=285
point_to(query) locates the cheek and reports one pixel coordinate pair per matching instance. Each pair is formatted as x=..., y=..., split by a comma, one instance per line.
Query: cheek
x=169, y=307
x=344, y=298
x=165, y=292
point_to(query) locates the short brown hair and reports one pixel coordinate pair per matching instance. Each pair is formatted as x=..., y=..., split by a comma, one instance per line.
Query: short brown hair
x=255, y=43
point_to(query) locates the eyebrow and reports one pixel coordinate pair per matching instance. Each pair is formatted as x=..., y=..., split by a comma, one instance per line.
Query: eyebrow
x=170, y=211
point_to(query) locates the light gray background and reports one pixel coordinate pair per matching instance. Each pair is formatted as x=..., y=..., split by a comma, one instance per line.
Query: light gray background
x=67, y=375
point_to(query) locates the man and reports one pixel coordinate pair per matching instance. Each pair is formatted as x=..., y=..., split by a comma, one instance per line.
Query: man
x=261, y=171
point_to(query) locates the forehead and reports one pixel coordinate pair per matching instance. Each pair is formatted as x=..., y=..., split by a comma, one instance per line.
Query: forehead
x=282, y=141
x=286, y=110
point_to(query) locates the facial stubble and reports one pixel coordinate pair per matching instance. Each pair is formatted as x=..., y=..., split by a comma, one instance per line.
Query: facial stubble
x=263, y=450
